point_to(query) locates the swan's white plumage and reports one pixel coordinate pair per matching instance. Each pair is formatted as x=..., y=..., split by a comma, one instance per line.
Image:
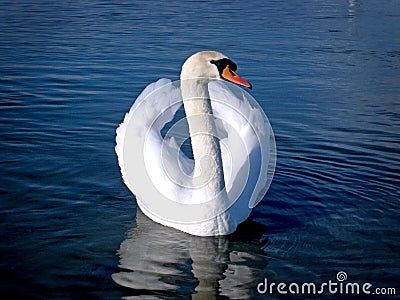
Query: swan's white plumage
x=143, y=120
x=247, y=150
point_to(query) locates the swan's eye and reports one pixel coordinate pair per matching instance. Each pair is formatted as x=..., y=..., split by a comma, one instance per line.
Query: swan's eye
x=212, y=62
x=232, y=65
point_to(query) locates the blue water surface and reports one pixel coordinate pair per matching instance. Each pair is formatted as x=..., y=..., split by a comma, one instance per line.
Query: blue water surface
x=327, y=75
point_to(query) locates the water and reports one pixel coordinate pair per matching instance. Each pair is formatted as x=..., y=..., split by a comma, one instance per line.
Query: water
x=326, y=73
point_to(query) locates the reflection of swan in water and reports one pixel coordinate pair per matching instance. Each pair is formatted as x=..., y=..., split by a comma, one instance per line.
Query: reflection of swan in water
x=162, y=261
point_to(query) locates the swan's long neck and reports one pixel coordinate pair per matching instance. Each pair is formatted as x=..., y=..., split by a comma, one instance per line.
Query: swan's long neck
x=208, y=177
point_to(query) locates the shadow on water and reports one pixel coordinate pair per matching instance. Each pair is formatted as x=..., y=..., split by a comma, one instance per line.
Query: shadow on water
x=161, y=261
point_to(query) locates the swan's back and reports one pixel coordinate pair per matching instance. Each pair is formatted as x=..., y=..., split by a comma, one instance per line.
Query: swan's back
x=159, y=174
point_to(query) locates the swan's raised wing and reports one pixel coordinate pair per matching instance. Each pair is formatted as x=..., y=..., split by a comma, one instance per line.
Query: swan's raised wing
x=248, y=151
x=149, y=160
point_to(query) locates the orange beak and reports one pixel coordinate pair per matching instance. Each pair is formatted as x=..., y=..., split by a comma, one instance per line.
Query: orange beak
x=232, y=76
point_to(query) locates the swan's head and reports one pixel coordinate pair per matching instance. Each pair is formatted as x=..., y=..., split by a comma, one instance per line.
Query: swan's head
x=212, y=65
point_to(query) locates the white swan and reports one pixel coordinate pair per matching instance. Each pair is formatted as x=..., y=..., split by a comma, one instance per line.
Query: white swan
x=232, y=144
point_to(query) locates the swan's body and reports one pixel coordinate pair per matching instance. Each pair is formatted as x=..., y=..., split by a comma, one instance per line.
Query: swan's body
x=232, y=144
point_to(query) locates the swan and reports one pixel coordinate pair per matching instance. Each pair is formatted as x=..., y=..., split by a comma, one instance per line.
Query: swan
x=232, y=143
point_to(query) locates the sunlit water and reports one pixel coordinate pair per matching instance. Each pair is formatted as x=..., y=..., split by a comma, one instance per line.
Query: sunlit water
x=327, y=74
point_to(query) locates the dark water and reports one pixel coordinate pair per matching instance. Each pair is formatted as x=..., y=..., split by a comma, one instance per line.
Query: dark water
x=327, y=74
